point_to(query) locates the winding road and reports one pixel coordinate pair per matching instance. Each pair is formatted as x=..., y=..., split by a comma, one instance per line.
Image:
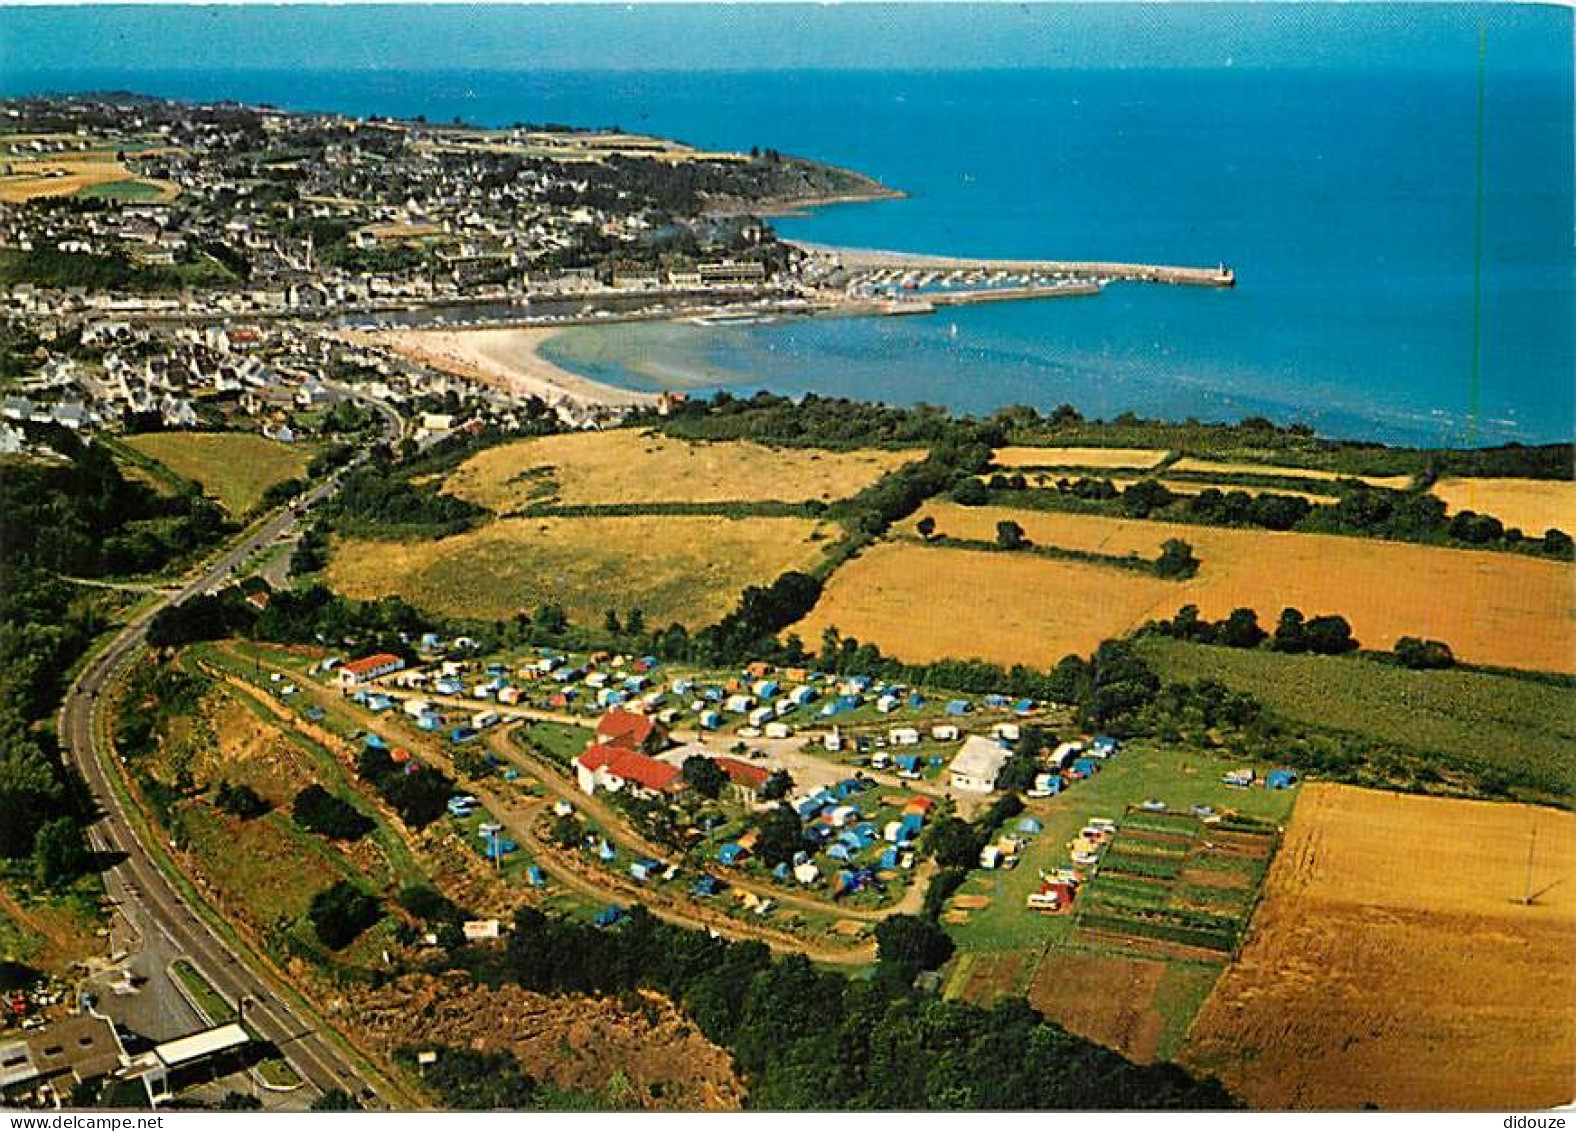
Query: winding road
x=159, y=914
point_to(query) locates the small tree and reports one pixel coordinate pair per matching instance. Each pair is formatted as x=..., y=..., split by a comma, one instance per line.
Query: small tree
x=611, y=623
x=340, y=913
x=926, y=527
x=240, y=800
x=1291, y=633
x=1176, y=559
x=912, y=944
x=954, y=843
x=1241, y=630
x=781, y=836
x=60, y=854
x=1422, y=655
x=970, y=493
x=704, y=776
x=1329, y=636
x=567, y=831
x=777, y=786
x=1009, y=535
x=335, y=1099
x=320, y=811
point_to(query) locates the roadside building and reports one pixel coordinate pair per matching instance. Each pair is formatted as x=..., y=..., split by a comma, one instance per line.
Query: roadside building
x=358, y=672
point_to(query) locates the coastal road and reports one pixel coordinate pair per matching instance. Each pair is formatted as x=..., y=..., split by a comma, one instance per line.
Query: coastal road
x=155, y=909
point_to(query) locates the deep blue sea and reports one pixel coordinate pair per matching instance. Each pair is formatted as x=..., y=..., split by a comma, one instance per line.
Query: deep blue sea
x=1331, y=158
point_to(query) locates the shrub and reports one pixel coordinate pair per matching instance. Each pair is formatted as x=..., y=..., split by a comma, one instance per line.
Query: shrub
x=320, y=811
x=340, y=913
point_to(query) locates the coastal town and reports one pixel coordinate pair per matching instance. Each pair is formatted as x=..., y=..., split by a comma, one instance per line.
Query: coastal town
x=190, y=264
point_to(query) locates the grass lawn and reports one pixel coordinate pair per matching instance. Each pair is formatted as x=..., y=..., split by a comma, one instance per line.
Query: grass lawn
x=1519, y=727
x=559, y=741
x=213, y=1005
x=233, y=467
x=122, y=190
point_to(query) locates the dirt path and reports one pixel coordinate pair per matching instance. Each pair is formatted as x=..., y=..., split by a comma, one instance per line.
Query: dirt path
x=520, y=819
x=604, y=814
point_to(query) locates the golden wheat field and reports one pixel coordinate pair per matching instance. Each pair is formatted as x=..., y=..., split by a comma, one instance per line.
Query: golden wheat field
x=1137, y=459
x=1534, y=505
x=1490, y=607
x=626, y=465
x=69, y=173
x=1393, y=961
x=689, y=570
x=1217, y=467
x=924, y=603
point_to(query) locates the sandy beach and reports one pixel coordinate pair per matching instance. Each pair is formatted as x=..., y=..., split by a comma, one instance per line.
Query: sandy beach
x=505, y=358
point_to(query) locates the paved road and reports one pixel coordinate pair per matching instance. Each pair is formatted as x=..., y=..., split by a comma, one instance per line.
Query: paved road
x=152, y=906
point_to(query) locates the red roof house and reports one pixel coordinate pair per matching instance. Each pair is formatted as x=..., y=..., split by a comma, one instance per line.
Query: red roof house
x=631, y=731
x=614, y=768
x=357, y=672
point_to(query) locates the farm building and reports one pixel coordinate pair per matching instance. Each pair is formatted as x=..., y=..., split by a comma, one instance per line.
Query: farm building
x=977, y=765
x=368, y=668
x=630, y=731
x=614, y=768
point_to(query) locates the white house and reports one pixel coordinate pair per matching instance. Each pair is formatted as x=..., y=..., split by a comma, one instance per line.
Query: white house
x=977, y=764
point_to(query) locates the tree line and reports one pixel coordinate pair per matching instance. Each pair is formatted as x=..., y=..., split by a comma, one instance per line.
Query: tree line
x=811, y=1040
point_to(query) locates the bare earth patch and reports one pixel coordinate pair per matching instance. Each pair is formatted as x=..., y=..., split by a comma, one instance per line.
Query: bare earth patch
x=1109, y=999
x=572, y=1041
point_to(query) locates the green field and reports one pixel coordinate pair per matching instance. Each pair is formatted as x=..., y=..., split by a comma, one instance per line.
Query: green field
x=122, y=190
x=561, y=742
x=1520, y=729
x=233, y=467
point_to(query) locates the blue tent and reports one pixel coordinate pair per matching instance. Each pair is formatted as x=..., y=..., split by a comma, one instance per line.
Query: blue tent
x=1029, y=825
x=1024, y=706
x=839, y=851
x=376, y=742
x=1280, y=779
x=609, y=915
x=781, y=872
x=706, y=886
x=958, y=707
x=535, y=876
x=1085, y=766
x=889, y=858
x=606, y=851
x=909, y=762
x=730, y=854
